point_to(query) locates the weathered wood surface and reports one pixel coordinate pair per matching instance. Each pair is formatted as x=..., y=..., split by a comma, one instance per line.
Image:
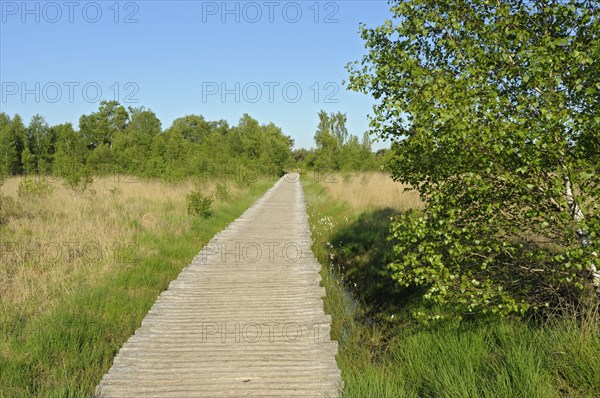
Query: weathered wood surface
x=245, y=318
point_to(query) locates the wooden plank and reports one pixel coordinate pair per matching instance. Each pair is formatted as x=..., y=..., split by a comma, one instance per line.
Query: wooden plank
x=245, y=318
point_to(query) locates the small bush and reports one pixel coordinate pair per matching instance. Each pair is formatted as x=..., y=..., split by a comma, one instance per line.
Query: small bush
x=31, y=188
x=198, y=204
x=78, y=180
x=222, y=192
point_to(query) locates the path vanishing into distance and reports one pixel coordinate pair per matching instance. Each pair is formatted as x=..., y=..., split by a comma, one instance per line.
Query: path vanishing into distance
x=245, y=318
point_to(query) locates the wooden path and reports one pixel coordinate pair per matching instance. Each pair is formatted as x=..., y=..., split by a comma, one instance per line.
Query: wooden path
x=245, y=318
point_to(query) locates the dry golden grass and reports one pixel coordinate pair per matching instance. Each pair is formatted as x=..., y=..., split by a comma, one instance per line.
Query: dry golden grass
x=368, y=190
x=61, y=242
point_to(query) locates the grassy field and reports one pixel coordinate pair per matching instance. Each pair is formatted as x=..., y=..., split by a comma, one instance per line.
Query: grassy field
x=79, y=272
x=365, y=191
x=385, y=353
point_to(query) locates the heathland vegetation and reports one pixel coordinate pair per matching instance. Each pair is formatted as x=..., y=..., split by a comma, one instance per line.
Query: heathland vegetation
x=78, y=276
x=388, y=350
x=96, y=221
x=486, y=283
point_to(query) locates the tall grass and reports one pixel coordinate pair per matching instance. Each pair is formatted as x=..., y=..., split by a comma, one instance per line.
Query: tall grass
x=367, y=190
x=80, y=273
x=385, y=353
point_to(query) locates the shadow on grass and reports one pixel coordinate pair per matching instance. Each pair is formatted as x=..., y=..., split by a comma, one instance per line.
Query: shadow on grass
x=361, y=254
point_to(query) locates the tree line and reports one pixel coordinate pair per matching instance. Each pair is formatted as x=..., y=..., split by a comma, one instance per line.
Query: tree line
x=132, y=141
x=338, y=151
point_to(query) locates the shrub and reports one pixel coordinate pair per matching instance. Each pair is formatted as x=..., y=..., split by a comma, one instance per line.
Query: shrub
x=198, y=204
x=222, y=192
x=31, y=188
x=79, y=181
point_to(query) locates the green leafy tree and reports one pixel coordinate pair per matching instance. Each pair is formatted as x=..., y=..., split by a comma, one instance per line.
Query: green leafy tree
x=102, y=160
x=144, y=121
x=29, y=161
x=278, y=149
x=257, y=149
x=249, y=133
x=17, y=135
x=351, y=155
x=495, y=107
x=116, y=140
x=367, y=155
x=176, y=154
x=71, y=150
x=327, y=152
x=301, y=158
x=324, y=128
x=156, y=165
x=132, y=145
x=99, y=128
x=192, y=127
x=9, y=158
x=70, y=160
x=336, y=148
x=338, y=127
x=39, y=148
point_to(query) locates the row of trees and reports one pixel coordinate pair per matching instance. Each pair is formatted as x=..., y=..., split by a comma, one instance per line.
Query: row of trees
x=495, y=110
x=131, y=141
x=337, y=150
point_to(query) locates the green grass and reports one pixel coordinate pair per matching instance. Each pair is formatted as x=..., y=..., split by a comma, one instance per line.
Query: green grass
x=385, y=353
x=65, y=352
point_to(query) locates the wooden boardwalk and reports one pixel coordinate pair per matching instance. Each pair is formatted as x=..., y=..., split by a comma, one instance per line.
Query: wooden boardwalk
x=245, y=318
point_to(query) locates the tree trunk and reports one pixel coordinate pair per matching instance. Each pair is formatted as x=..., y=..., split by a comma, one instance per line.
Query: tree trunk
x=582, y=234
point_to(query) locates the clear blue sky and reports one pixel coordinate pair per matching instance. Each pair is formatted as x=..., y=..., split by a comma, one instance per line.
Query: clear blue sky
x=213, y=58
